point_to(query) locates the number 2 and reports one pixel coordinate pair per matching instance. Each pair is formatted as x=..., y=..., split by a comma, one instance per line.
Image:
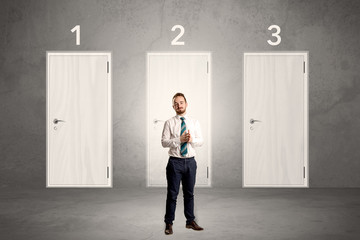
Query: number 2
x=182, y=31
x=77, y=29
x=275, y=34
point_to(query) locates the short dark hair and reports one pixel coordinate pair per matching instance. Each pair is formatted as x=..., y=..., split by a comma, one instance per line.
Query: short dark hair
x=179, y=95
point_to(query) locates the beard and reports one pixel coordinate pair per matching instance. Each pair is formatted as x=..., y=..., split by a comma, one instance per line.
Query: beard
x=180, y=111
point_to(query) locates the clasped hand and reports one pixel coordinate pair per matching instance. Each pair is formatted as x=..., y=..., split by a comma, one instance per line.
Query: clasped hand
x=186, y=137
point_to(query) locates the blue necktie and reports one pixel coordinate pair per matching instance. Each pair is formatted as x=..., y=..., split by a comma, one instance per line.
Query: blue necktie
x=183, y=148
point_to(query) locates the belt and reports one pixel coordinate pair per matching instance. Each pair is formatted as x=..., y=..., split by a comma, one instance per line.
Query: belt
x=181, y=158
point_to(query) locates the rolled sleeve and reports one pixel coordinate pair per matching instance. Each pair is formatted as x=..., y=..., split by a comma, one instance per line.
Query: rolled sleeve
x=166, y=140
x=198, y=139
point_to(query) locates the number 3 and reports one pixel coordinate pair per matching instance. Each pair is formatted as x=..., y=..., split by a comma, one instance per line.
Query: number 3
x=276, y=34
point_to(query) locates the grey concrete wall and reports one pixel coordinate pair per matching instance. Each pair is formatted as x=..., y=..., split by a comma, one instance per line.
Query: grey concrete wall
x=329, y=30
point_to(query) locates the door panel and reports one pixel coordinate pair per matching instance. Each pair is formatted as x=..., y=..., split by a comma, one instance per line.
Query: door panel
x=169, y=73
x=275, y=98
x=79, y=96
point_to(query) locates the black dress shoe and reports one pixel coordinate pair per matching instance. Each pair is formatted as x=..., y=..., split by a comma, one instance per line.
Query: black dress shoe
x=168, y=229
x=194, y=226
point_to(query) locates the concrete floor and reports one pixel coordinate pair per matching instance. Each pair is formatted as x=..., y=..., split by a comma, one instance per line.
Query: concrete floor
x=138, y=214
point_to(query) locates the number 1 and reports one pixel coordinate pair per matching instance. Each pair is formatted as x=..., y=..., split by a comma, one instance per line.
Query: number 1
x=77, y=29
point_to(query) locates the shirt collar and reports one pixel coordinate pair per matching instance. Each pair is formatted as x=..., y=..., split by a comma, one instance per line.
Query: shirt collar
x=178, y=117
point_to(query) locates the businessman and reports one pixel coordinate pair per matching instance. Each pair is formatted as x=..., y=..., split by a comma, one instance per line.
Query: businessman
x=181, y=134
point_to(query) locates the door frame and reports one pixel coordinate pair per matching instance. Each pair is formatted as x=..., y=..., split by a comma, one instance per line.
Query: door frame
x=305, y=54
x=163, y=53
x=109, y=120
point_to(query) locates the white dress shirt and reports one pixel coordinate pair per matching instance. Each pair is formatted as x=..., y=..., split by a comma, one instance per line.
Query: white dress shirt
x=171, y=136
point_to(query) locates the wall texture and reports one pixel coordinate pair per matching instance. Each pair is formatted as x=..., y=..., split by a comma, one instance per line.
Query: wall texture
x=328, y=29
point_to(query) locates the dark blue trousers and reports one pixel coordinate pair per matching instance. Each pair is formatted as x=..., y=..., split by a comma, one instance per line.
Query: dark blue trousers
x=184, y=170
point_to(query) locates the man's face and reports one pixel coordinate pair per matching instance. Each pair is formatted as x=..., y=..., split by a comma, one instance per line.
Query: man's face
x=179, y=105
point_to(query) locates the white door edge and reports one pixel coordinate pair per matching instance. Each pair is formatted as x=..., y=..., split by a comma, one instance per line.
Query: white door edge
x=305, y=54
x=110, y=134
x=184, y=53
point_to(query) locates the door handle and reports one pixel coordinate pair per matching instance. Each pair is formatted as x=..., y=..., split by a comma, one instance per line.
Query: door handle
x=57, y=120
x=158, y=120
x=252, y=121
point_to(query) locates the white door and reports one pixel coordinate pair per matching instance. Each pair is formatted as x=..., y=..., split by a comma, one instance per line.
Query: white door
x=169, y=73
x=79, y=139
x=275, y=124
